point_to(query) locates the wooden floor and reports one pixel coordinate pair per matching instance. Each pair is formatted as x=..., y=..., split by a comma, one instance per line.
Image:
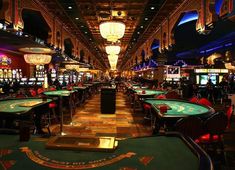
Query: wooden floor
x=88, y=120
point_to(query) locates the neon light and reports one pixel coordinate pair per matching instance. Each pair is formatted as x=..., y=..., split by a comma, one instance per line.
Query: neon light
x=188, y=16
x=218, y=5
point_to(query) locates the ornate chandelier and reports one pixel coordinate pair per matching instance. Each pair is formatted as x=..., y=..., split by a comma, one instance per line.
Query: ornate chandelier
x=113, y=58
x=112, y=30
x=37, y=59
x=112, y=49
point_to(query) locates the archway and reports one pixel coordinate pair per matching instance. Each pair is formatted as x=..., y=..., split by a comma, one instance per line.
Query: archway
x=184, y=32
x=35, y=24
x=155, y=48
x=68, y=47
x=82, y=54
x=143, y=55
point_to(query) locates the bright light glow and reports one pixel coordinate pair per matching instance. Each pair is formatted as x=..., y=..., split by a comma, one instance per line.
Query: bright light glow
x=113, y=58
x=112, y=30
x=37, y=59
x=112, y=49
x=72, y=67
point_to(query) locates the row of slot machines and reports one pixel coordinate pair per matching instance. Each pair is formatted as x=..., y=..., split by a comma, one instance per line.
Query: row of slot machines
x=39, y=81
x=10, y=75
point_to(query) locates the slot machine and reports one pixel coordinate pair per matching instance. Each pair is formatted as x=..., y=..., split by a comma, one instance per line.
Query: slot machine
x=32, y=81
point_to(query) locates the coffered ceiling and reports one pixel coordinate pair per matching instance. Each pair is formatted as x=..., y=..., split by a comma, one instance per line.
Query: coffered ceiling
x=82, y=17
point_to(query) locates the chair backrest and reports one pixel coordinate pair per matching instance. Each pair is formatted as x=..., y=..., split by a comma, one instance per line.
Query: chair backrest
x=194, y=100
x=216, y=124
x=229, y=115
x=172, y=95
x=161, y=96
x=205, y=102
x=40, y=91
x=33, y=93
x=190, y=126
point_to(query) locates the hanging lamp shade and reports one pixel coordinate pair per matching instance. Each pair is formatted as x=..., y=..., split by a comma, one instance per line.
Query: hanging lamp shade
x=112, y=30
x=113, y=58
x=113, y=49
x=37, y=59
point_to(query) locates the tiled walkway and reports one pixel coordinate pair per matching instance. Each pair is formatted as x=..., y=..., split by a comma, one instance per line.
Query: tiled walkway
x=88, y=120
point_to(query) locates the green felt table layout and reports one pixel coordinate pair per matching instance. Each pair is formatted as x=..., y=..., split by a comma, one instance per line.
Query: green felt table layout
x=59, y=93
x=179, y=108
x=80, y=88
x=167, y=152
x=20, y=106
x=148, y=92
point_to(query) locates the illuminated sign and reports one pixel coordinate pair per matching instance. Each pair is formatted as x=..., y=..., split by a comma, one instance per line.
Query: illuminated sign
x=4, y=60
x=201, y=70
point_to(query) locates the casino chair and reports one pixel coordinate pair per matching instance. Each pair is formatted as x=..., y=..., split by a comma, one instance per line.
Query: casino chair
x=215, y=127
x=194, y=100
x=33, y=93
x=161, y=96
x=205, y=102
x=190, y=126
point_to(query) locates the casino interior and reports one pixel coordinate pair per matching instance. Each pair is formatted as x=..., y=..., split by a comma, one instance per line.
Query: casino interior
x=117, y=84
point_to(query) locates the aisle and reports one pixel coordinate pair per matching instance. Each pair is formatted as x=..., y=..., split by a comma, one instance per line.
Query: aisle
x=88, y=121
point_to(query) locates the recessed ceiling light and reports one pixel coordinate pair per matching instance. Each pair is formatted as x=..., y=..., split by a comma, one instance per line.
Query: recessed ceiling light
x=69, y=7
x=82, y=26
x=141, y=26
x=77, y=18
x=85, y=32
x=146, y=19
x=152, y=8
x=138, y=32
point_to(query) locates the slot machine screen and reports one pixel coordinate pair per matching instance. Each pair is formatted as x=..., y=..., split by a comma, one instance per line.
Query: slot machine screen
x=203, y=79
x=213, y=79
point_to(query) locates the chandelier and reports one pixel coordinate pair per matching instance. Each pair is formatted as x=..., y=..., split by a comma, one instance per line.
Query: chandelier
x=37, y=59
x=113, y=58
x=112, y=30
x=112, y=49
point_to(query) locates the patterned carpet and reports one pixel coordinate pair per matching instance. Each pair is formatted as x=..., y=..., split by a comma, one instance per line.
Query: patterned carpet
x=88, y=120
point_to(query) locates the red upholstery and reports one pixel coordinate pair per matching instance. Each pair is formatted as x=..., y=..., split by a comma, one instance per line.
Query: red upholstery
x=229, y=115
x=205, y=102
x=52, y=89
x=40, y=90
x=194, y=100
x=147, y=106
x=52, y=105
x=208, y=137
x=162, y=96
x=33, y=93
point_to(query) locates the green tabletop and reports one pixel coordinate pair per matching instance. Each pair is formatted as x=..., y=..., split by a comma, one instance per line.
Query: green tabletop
x=149, y=92
x=79, y=88
x=158, y=152
x=20, y=106
x=59, y=93
x=178, y=108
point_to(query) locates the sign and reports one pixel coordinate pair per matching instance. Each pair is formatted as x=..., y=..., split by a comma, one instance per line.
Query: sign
x=4, y=61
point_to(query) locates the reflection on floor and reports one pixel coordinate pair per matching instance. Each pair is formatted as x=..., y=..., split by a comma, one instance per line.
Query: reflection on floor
x=88, y=120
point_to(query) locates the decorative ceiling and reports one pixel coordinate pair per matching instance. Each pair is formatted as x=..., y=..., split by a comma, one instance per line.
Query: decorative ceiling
x=82, y=17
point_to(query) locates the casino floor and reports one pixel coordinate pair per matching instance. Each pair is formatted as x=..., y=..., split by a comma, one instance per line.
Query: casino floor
x=88, y=121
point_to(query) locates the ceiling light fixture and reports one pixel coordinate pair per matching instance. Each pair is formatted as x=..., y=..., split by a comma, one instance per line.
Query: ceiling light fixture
x=113, y=49
x=152, y=8
x=37, y=59
x=112, y=30
x=69, y=7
